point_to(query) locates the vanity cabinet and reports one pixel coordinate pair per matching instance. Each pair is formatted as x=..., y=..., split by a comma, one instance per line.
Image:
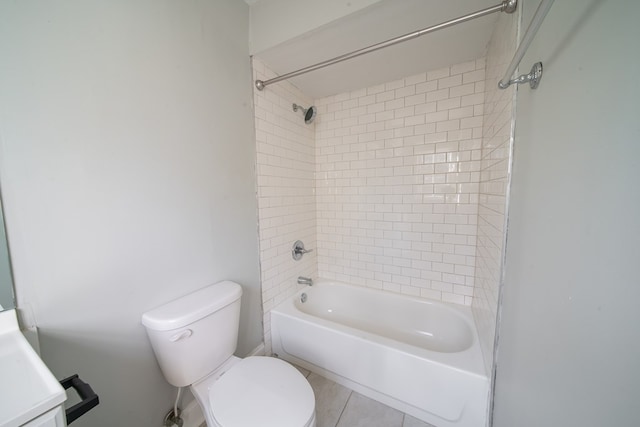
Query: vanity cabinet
x=52, y=418
x=29, y=393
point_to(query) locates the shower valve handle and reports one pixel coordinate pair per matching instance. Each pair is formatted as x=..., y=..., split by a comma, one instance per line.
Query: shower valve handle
x=298, y=250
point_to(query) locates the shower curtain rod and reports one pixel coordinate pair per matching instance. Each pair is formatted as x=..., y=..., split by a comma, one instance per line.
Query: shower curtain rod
x=508, y=6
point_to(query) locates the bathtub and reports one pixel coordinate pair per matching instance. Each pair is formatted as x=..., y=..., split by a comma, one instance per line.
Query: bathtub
x=419, y=356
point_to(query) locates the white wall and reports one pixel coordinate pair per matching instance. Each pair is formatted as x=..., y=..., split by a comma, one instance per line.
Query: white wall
x=127, y=166
x=7, y=299
x=278, y=21
x=569, y=341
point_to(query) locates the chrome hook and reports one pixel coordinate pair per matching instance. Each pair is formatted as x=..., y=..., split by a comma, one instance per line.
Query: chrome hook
x=533, y=78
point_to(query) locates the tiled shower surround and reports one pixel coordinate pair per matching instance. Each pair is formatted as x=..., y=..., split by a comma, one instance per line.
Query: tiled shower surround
x=494, y=178
x=285, y=165
x=397, y=173
x=388, y=185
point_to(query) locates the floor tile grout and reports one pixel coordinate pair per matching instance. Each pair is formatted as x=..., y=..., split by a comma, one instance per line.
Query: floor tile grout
x=343, y=408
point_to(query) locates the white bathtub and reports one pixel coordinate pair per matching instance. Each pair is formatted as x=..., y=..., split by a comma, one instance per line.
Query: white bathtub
x=419, y=356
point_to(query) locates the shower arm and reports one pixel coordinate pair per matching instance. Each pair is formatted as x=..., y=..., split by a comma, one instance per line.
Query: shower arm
x=507, y=6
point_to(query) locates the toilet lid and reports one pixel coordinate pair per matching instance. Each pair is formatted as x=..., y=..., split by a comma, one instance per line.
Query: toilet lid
x=262, y=391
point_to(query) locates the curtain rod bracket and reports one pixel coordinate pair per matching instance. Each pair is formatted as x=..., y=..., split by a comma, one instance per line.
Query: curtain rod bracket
x=533, y=78
x=536, y=72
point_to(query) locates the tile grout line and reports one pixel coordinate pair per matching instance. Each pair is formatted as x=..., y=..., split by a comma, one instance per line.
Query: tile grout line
x=344, y=407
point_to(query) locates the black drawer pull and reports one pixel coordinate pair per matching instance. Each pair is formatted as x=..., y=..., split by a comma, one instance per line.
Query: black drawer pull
x=89, y=398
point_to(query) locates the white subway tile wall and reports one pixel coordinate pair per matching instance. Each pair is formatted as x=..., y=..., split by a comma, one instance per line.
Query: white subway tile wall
x=397, y=181
x=494, y=178
x=285, y=166
x=400, y=186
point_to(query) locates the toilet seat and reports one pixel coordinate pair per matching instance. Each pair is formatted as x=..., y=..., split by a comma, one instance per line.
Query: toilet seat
x=262, y=391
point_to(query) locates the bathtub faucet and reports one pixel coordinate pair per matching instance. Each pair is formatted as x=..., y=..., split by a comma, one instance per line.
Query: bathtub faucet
x=305, y=281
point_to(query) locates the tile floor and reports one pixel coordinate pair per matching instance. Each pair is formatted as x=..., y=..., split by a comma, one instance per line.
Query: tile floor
x=338, y=406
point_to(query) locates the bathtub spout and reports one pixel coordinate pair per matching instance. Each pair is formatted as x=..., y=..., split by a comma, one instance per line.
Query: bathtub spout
x=305, y=281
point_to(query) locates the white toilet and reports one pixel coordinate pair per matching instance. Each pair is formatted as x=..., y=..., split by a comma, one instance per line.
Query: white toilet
x=194, y=338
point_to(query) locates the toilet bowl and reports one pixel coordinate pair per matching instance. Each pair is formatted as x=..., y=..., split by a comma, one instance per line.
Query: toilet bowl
x=194, y=338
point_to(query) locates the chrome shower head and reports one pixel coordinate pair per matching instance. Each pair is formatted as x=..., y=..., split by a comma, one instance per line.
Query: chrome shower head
x=309, y=113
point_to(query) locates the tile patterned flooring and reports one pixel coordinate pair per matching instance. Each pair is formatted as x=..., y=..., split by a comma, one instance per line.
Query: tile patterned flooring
x=338, y=406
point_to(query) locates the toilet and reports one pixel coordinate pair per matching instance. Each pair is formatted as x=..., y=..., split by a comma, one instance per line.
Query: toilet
x=194, y=338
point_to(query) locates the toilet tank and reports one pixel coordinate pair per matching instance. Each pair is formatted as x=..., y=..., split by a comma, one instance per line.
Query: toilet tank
x=193, y=335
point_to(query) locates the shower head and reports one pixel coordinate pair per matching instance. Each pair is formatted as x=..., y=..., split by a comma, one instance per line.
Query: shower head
x=309, y=113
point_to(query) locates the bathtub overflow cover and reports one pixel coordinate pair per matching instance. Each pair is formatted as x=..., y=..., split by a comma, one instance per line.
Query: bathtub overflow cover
x=303, y=297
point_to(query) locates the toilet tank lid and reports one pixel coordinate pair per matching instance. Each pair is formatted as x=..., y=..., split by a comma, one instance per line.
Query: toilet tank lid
x=192, y=307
